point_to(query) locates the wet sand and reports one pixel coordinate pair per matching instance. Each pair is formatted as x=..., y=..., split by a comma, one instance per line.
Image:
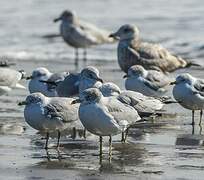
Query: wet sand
x=165, y=148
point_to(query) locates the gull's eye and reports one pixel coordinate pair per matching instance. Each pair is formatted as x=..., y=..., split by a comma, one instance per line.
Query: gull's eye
x=126, y=30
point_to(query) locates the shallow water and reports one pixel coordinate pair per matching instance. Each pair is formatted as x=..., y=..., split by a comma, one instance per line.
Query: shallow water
x=162, y=149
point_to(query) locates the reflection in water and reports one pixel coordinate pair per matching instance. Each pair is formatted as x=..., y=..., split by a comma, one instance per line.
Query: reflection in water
x=189, y=140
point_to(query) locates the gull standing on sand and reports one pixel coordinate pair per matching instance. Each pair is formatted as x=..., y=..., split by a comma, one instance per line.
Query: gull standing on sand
x=42, y=74
x=104, y=116
x=79, y=34
x=49, y=114
x=9, y=79
x=131, y=51
x=149, y=83
x=189, y=92
x=145, y=105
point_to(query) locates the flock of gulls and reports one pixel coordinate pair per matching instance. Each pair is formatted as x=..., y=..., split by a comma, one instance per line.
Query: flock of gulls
x=58, y=101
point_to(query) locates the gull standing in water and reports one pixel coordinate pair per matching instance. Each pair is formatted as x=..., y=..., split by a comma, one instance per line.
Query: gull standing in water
x=104, y=116
x=131, y=51
x=39, y=78
x=79, y=34
x=9, y=78
x=149, y=83
x=189, y=92
x=49, y=114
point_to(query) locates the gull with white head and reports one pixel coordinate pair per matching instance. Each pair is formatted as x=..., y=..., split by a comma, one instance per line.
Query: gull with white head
x=189, y=92
x=39, y=78
x=49, y=114
x=104, y=116
x=79, y=34
x=9, y=79
x=89, y=78
x=147, y=82
x=131, y=51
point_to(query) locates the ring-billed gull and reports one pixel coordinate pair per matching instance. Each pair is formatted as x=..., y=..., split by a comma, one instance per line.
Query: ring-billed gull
x=79, y=34
x=189, y=92
x=149, y=83
x=49, y=114
x=145, y=105
x=41, y=74
x=9, y=78
x=104, y=116
x=132, y=51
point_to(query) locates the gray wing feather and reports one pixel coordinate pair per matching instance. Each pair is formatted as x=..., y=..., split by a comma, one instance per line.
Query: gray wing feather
x=70, y=86
x=62, y=109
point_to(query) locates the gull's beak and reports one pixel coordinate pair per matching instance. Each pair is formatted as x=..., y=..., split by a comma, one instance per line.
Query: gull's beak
x=76, y=101
x=172, y=83
x=29, y=77
x=125, y=76
x=114, y=36
x=57, y=19
x=99, y=79
x=22, y=103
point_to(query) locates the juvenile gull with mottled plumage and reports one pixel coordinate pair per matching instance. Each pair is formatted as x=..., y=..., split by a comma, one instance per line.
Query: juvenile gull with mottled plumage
x=132, y=51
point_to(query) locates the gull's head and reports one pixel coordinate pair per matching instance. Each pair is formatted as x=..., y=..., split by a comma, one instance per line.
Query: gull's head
x=33, y=98
x=184, y=78
x=110, y=89
x=126, y=31
x=91, y=73
x=90, y=95
x=39, y=73
x=135, y=71
x=66, y=15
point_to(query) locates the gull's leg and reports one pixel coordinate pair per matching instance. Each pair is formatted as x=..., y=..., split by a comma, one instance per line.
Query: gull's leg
x=58, y=139
x=123, y=137
x=85, y=57
x=193, y=119
x=84, y=133
x=100, y=148
x=48, y=155
x=74, y=133
x=110, y=148
x=76, y=58
x=201, y=115
x=126, y=134
x=193, y=130
x=47, y=139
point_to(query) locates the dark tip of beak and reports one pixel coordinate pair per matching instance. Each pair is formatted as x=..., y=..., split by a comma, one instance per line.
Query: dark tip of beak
x=76, y=101
x=101, y=80
x=125, y=76
x=28, y=77
x=172, y=83
x=22, y=103
x=57, y=19
x=111, y=36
